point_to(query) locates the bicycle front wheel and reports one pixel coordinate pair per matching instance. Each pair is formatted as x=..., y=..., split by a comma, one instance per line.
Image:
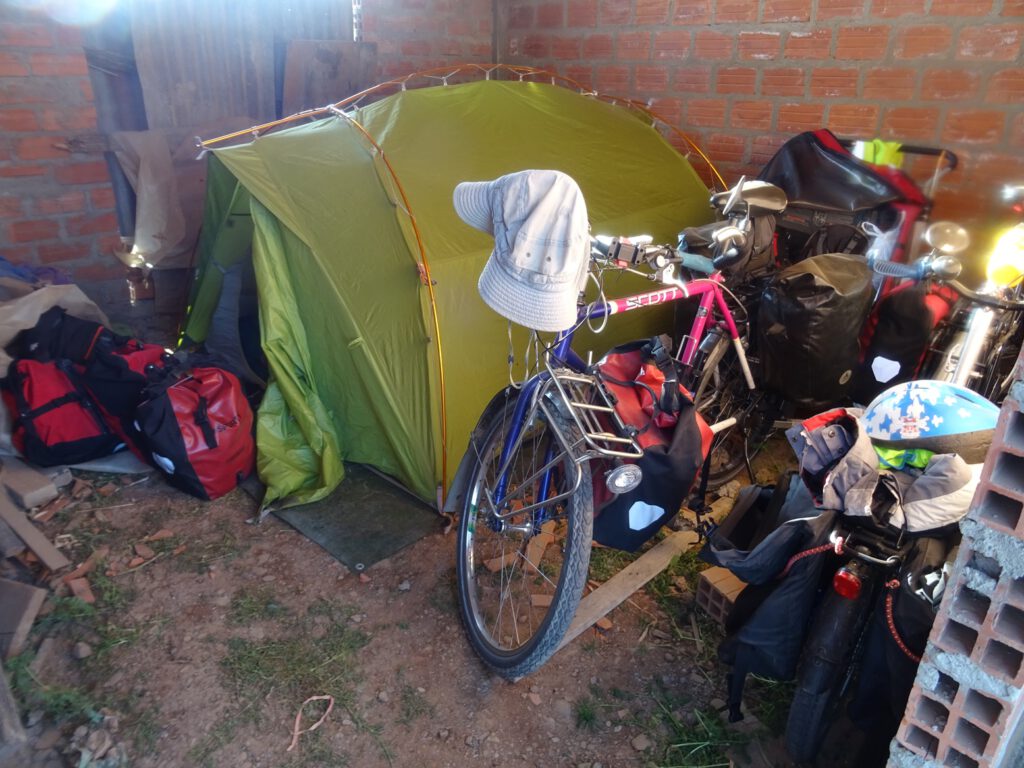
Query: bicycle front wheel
x=521, y=574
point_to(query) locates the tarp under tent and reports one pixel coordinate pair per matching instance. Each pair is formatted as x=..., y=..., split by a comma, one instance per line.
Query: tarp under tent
x=380, y=349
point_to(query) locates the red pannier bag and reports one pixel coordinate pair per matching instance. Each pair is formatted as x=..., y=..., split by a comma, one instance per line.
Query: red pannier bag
x=54, y=421
x=198, y=431
x=673, y=453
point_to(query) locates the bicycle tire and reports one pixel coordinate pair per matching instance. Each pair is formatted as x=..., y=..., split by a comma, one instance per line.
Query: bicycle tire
x=825, y=672
x=501, y=646
x=810, y=715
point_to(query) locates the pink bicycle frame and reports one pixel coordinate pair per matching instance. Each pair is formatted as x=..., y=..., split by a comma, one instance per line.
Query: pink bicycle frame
x=710, y=291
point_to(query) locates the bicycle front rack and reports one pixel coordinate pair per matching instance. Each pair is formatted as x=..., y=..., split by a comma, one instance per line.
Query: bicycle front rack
x=591, y=407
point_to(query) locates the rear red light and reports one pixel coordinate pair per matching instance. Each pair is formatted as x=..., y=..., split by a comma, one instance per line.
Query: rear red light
x=846, y=584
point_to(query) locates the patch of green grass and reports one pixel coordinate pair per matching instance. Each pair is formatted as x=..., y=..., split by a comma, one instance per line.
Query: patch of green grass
x=336, y=612
x=59, y=703
x=442, y=596
x=200, y=554
x=621, y=695
x=414, y=705
x=663, y=587
x=254, y=604
x=142, y=727
x=769, y=701
x=223, y=732
x=66, y=614
x=705, y=742
x=112, y=596
x=605, y=562
x=314, y=751
x=293, y=665
x=586, y=714
x=79, y=620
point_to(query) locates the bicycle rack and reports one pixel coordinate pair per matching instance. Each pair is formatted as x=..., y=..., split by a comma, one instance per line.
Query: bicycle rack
x=591, y=407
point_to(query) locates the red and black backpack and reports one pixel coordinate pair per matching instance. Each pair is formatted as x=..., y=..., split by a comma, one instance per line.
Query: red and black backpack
x=54, y=419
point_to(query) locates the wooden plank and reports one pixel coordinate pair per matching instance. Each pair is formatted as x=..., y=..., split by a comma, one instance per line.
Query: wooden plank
x=495, y=564
x=619, y=587
x=541, y=601
x=19, y=604
x=321, y=72
x=536, y=546
x=10, y=543
x=32, y=536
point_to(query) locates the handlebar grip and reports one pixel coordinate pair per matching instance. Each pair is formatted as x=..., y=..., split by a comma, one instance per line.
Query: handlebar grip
x=984, y=299
x=949, y=158
x=695, y=262
x=897, y=270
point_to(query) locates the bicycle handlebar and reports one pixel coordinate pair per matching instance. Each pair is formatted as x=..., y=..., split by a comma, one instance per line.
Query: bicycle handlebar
x=917, y=271
x=985, y=299
x=922, y=269
x=949, y=158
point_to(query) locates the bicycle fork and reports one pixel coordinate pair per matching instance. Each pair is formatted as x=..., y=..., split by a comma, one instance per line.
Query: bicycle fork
x=693, y=342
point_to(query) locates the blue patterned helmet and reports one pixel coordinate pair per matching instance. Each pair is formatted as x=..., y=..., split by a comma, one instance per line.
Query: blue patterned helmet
x=933, y=415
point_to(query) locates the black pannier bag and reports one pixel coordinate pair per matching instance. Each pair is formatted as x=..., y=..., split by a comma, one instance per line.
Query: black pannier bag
x=641, y=380
x=809, y=320
x=892, y=652
x=758, y=541
x=900, y=327
x=831, y=193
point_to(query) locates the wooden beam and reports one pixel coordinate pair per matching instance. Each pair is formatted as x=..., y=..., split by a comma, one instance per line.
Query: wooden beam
x=34, y=539
x=19, y=605
x=627, y=581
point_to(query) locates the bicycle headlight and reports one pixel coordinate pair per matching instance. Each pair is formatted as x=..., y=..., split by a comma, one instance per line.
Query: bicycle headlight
x=1005, y=266
x=624, y=478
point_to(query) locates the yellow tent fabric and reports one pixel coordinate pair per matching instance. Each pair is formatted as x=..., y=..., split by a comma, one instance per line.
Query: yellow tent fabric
x=348, y=216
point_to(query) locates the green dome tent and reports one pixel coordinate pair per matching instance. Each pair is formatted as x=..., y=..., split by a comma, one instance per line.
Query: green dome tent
x=379, y=347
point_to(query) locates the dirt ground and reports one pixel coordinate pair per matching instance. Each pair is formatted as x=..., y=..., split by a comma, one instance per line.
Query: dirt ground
x=204, y=642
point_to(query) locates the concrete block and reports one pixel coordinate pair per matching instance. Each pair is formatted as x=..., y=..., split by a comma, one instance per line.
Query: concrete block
x=29, y=487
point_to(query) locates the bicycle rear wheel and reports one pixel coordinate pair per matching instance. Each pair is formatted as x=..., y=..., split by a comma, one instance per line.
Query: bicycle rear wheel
x=521, y=574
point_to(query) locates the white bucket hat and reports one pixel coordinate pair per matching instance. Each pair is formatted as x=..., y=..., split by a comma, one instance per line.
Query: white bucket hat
x=541, y=245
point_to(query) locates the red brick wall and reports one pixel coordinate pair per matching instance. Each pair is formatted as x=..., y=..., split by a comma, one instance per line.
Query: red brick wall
x=740, y=76
x=56, y=207
x=413, y=35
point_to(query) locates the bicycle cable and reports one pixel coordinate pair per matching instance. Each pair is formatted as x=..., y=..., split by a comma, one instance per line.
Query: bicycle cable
x=602, y=298
x=724, y=287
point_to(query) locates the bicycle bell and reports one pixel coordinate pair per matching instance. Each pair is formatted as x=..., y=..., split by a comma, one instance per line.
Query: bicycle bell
x=947, y=238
